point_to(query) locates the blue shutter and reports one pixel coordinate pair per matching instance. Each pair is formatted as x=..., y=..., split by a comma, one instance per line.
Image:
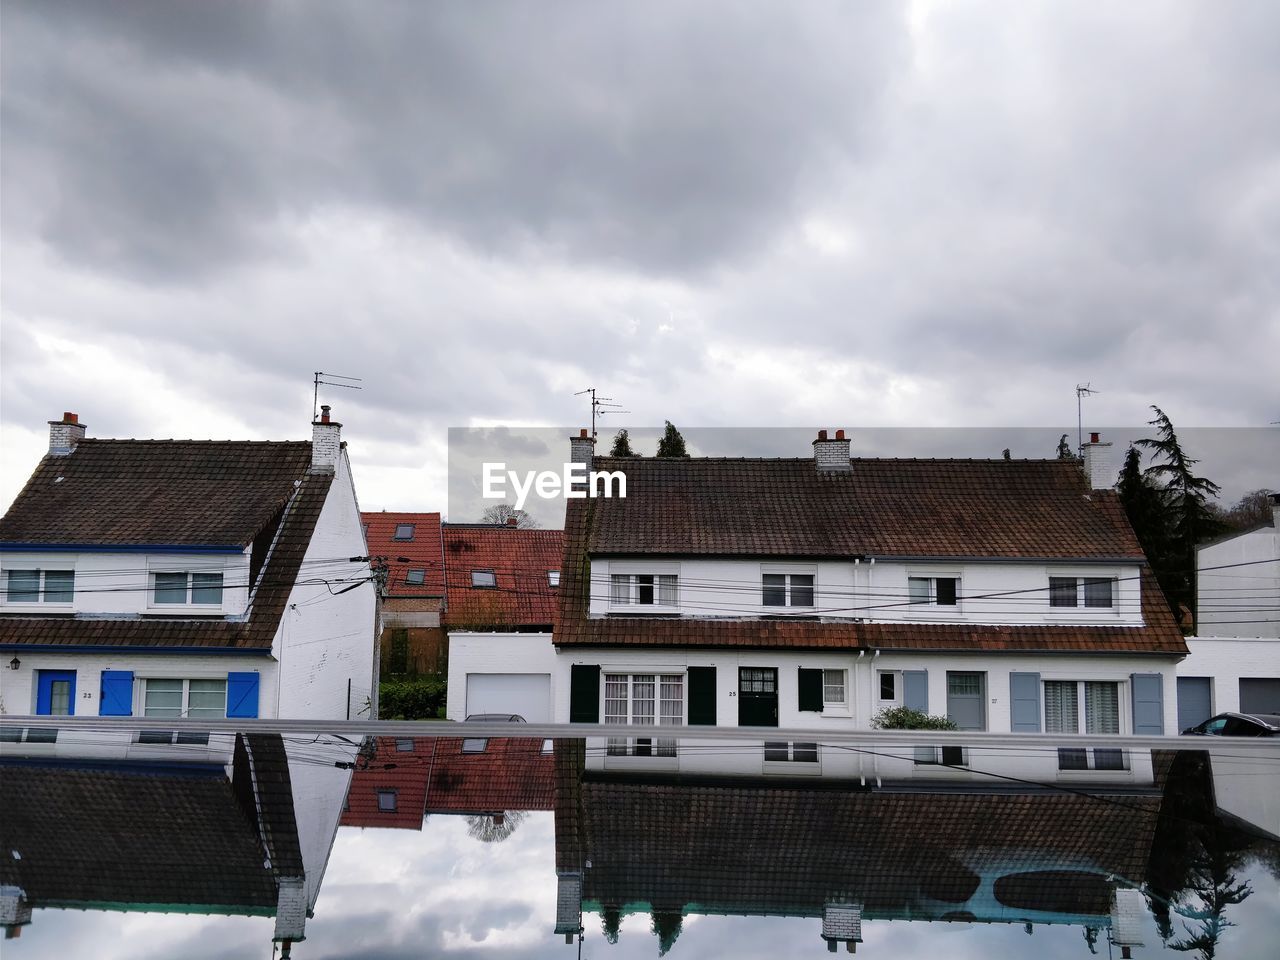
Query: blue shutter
x=1024, y=702
x=242, y=694
x=915, y=690
x=1148, y=704
x=116, y=699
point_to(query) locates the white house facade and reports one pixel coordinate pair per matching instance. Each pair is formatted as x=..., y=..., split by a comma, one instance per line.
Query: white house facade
x=187, y=579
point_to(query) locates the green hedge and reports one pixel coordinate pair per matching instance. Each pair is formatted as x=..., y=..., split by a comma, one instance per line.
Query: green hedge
x=412, y=698
x=902, y=718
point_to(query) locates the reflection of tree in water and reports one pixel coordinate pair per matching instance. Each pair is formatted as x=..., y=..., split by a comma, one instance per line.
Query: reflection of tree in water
x=611, y=923
x=666, y=925
x=494, y=827
x=1195, y=861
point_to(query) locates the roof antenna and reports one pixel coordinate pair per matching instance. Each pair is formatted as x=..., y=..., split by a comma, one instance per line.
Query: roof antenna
x=319, y=379
x=599, y=407
x=1082, y=390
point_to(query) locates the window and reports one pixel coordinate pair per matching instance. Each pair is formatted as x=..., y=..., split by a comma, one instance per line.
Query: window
x=888, y=685
x=553, y=578
x=475, y=744
x=643, y=699
x=39, y=586
x=387, y=801
x=1081, y=591
x=942, y=756
x=404, y=745
x=787, y=590
x=485, y=579
x=416, y=577
x=1084, y=706
x=782, y=751
x=940, y=591
x=645, y=589
x=187, y=589
x=171, y=697
x=833, y=688
x=404, y=531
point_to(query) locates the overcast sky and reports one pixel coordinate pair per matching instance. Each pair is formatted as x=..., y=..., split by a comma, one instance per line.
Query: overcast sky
x=724, y=214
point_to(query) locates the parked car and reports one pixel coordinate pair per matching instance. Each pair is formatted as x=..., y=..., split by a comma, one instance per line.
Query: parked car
x=495, y=718
x=1237, y=725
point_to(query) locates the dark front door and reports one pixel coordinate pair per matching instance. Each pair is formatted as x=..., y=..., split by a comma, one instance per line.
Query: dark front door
x=757, y=697
x=1195, y=702
x=56, y=693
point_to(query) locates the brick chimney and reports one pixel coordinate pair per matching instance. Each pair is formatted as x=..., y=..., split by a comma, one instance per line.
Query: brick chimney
x=582, y=449
x=1098, y=472
x=64, y=434
x=831, y=456
x=326, y=442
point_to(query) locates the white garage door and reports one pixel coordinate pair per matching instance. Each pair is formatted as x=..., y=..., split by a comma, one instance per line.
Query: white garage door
x=527, y=694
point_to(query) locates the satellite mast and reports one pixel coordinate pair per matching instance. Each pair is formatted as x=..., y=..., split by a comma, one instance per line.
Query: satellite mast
x=1082, y=390
x=600, y=406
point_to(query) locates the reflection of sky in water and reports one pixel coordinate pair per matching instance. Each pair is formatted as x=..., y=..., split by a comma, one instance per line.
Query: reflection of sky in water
x=404, y=894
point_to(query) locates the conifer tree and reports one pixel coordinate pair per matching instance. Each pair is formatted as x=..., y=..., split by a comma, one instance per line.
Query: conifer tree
x=1064, y=449
x=671, y=444
x=621, y=445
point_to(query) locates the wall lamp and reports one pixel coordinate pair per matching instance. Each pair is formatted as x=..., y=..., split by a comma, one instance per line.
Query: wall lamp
x=15, y=663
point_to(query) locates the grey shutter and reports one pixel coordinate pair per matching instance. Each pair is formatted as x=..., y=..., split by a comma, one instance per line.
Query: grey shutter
x=810, y=691
x=1148, y=703
x=915, y=690
x=584, y=693
x=702, y=696
x=1024, y=702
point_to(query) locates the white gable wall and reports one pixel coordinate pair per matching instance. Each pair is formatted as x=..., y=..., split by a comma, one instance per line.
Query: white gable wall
x=1238, y=598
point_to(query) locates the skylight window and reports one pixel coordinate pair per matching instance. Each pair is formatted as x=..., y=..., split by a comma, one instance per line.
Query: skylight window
x=404, y=531
x=553, y=578
x=484, y=578
x=415, y=576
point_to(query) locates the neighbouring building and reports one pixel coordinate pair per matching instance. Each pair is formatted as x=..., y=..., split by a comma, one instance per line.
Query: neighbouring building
x=1234, y=662
x=411, y=636
x=183, y=578
x=1009, y=595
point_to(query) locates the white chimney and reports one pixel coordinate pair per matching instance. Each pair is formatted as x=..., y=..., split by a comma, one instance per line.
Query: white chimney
x=291, y=910
x=831, y=456
x=326, y=442
x=582, y=450
x=64, y=434
x=1098, y=471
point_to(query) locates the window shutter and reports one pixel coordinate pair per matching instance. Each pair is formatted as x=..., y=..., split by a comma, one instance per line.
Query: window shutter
x=702, y=696
x=584, y=693
x=810, y=690
x=242, y=695
x=117, y=694
x=915, y=690
x=1024, y=702
x=1148, y=704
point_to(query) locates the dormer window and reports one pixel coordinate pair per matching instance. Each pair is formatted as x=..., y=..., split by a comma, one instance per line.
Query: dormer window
x=787, y=589
x=940, y=591
x=1081, y=591
x=484, y=579
x=40, y=586
x=404, y=531
x=187, y=589
x=644, y=589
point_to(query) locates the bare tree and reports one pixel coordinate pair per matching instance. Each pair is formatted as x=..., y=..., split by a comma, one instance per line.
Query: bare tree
x=503, y=513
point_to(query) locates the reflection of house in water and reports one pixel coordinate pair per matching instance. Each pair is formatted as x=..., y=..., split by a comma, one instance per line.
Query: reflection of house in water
x=406, y=778
x=824, y=850
x=244, y=830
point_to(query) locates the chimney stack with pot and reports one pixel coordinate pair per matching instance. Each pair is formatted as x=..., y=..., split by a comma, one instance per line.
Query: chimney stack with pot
x=326, y=442
x=1098, y=471
x=831, y=456
x=64, y=434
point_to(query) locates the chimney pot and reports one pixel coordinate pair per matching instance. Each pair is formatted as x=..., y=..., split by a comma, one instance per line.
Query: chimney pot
x=582, y=434
x=822, y=434
x=1093, y=437
x=324, y=413
x=839, y=434
x=69, y=417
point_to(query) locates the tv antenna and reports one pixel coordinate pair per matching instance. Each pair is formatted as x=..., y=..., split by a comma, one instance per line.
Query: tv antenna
x=1082, y=390
x=600, y=406
x=320, y=378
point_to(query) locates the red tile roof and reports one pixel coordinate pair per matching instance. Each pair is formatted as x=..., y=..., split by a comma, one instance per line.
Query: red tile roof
x=520, y=559
x=1016, y=509
x=423, y=552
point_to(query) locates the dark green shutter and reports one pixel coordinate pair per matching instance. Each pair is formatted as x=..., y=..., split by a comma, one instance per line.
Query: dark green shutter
x=117, y=694
x=584, y=693
x=1024, y=702
x=702, y=696
x=915, y=690
x=810, y=690
x=1148, y=704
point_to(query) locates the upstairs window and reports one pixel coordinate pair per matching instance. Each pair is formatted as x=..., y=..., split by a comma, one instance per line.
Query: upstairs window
x=787, y=589
x=485, y=579
x=39, y=586
x=188, y=589
x=644, y=589
x=416, y=577
x=940, y=591
x=404, y=531
x=1082, y=591
x=387, y=801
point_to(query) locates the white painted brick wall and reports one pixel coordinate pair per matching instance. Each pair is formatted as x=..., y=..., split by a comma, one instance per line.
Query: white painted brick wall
x=842, y=921
x=326, y=446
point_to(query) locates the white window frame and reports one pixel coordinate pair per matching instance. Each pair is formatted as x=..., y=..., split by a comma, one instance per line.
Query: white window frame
x=553, y=578
x=1080, y=611
x=648, y=746
x=188, y=570
x=1089, y=749
x=797, y=761
x=484, y=586
x=896, y=700
x=789, y=570
x=140, y=696
x=931, y=605
x=841, y=705
x=41, y=570
x=632, y=603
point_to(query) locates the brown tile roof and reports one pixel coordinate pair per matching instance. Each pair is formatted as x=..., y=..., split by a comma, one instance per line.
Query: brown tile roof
x=1027, y=509
x=423, y=552
x=155, y=492
x=936, y=506
x=520, y=560
x=275, y=583
x=788, y=850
